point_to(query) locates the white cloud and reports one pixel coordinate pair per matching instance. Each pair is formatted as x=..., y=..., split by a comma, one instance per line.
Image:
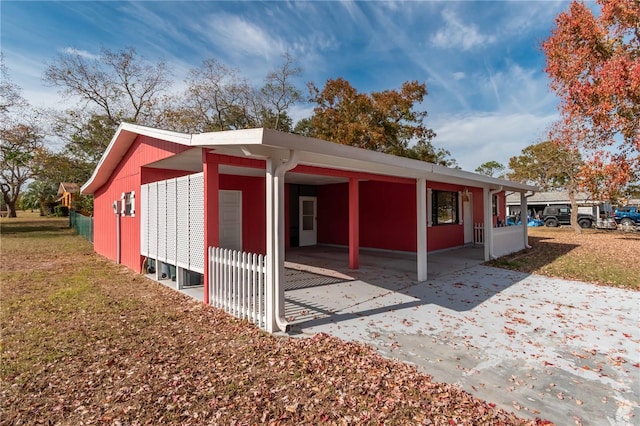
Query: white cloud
x=458, y=35
x=515, y=88
x=459, y=75
x=238, y=37
x=81, y=53
x=476, y=138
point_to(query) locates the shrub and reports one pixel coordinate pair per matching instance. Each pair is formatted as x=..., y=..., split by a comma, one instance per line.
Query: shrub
x=61, y=211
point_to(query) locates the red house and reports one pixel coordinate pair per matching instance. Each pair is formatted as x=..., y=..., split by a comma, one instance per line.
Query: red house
x=166, y=198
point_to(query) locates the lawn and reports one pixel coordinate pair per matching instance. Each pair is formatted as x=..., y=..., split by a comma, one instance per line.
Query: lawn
x=595, y=256
x=85, y=341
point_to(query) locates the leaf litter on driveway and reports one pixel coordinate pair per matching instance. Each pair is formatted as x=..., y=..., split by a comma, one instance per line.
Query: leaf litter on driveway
x=538, y=346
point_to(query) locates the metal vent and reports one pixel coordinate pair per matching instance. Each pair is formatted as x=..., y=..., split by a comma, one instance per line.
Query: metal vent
x=182, y=217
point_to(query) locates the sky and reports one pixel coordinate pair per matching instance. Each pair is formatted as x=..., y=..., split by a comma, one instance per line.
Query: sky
x=488, y=96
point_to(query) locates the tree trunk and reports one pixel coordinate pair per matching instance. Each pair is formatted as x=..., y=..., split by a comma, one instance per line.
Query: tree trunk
x=11, y=205
x=574, y=211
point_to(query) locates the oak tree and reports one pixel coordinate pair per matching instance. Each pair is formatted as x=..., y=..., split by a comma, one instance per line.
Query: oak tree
x=10, y=96
x=279, y=94
x=120, y=85
x=550, y=166
x=386, y=121
x=17, y=146
x=218, y=97
x=19, y=138
x=490, y=168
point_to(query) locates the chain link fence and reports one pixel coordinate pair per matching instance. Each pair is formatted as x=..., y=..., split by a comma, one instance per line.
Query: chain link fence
x=82, y=224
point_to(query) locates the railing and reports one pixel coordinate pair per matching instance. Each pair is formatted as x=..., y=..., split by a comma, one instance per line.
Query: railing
x=83, y=225
x=237, y=284
x=478, y=233
x=508, y=239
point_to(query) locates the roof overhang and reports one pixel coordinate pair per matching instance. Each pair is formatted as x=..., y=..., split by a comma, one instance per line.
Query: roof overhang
x=267, y=143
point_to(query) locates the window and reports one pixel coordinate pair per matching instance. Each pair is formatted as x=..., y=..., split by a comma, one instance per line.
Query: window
x=444, y=207
x=128, y=203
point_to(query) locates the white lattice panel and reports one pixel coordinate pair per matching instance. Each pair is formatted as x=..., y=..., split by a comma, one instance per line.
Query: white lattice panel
x=144, y=220
x=196, y=223
x=162, y=220
x=152, y=220
x=171, y=221
x=182, y=219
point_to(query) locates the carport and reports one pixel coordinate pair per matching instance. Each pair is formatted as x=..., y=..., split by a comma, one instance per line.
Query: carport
x=320, y=288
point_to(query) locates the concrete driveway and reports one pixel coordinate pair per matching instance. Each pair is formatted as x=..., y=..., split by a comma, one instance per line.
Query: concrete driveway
x=564, y=351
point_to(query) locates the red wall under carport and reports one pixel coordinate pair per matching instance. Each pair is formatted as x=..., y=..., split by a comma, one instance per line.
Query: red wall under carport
x=254, y=207
x=387, y=216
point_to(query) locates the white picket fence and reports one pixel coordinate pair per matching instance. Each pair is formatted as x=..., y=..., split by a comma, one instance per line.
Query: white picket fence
x=478, y=233
x=237, y=284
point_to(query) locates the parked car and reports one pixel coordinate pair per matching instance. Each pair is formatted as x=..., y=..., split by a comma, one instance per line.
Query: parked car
x=627, y=216
x=561, y=215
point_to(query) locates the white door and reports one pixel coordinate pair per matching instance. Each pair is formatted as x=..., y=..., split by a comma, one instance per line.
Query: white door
x=230, y=219
x=308, y=222
x=467, y=218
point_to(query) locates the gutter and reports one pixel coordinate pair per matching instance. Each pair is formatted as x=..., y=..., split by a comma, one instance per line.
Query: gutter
x=277, y=263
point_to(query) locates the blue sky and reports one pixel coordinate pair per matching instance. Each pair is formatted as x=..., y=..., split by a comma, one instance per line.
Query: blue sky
x=481, y=60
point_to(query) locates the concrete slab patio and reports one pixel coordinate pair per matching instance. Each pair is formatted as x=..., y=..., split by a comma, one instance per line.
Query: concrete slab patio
x=565, y=351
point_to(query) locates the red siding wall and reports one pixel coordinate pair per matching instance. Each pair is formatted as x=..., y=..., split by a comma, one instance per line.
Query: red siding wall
x=333, y=214
x=478, y=207
x=254, y=220
x=125, y=178
x=387, y=216
x=150, y=174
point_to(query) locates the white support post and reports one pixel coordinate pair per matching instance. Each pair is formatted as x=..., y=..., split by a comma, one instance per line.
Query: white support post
x=488, y=223
x=421, y=209
x=524, y=219
x=180, y=278
x=278, y=260
x=270, y=285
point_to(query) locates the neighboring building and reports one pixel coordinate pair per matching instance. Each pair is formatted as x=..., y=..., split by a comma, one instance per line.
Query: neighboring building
x=166, y=197
x=538, y=201
x=66, y=193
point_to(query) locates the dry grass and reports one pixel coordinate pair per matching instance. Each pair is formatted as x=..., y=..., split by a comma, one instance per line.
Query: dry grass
x=595, y=256
x=85, y=341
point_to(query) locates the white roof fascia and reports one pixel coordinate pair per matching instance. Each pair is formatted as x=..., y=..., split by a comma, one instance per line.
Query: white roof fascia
x=229, y=137
x=131, y=130
x=165, y=135
x=397, y=166
x=319, y=146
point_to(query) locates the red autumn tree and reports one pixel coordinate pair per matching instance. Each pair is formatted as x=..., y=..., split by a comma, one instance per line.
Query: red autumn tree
x=594, y=66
